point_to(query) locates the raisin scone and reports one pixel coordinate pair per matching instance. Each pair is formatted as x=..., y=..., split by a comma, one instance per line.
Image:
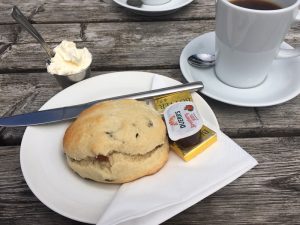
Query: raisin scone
x=117, y=142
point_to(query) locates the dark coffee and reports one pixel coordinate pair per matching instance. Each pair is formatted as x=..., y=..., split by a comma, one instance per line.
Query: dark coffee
x=256, y=4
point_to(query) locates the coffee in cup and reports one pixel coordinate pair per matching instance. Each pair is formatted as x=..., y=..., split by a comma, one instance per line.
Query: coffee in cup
x=256, y=4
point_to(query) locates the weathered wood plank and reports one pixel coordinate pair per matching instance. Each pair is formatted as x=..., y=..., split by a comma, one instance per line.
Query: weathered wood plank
x=135, y=43
x=8, y=33
x=87, y=11
x=268, y=194
x=278, y=120
x=14, y=34
x=23, y=92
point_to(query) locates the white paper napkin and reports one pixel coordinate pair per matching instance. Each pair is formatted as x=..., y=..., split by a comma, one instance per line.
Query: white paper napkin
x=179, y=185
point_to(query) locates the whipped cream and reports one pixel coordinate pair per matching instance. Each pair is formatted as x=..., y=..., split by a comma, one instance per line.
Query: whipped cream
x=69, y=59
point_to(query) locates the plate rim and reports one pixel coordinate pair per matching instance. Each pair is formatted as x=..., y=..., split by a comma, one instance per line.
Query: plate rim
x=183, y=67
x=149, y=10
x=43, y=200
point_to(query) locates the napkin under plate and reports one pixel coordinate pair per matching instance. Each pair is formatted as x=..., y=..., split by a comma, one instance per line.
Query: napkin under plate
x=178, y=185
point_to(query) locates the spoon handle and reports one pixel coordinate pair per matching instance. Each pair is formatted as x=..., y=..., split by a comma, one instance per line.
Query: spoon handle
x=22, y=20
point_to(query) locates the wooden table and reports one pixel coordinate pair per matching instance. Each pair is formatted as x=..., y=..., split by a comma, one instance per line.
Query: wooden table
x=268, y=194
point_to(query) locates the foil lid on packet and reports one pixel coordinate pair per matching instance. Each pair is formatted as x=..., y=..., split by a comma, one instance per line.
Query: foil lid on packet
x=182, y=120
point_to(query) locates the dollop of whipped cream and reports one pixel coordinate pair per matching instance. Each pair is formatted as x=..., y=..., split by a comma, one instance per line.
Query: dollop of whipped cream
x=69, y=59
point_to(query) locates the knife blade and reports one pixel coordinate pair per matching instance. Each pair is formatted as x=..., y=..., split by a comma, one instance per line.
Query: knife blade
x=71, y=112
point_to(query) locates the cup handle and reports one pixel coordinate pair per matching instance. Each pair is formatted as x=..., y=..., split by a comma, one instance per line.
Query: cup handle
x=289, y=53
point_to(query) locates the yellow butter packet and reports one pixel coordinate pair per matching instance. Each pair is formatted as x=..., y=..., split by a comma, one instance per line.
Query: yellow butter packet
x=162, y=102
x=206, y=136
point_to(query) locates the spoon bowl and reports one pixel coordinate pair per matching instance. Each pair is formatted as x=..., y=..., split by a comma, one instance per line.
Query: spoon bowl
x=202, y=60
x=22, y=20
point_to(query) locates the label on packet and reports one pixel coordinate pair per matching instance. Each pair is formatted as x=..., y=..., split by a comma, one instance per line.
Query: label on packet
x=182, y=120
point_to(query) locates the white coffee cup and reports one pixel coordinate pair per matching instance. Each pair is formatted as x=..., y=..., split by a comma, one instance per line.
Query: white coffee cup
x=155, y=2
x=248, y=40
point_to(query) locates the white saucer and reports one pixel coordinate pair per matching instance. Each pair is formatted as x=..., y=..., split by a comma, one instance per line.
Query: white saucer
x=281, y=85
x=159, y=10
x=44, y=165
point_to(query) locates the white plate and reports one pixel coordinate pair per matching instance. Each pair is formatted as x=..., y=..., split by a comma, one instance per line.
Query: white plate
x=167, y=8
x=281, y=85
x=43, y=163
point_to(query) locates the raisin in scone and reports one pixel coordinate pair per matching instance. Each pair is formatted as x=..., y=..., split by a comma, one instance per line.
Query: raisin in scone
x=117, y=142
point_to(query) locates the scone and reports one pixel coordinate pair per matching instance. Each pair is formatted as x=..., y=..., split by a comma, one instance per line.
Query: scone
x=116, y=142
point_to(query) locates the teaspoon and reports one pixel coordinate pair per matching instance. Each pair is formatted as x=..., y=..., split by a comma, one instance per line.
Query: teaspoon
x=22, y=20
x=202, y=60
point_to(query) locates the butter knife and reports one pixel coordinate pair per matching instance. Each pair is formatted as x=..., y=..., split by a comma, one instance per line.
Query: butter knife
x=71, y=112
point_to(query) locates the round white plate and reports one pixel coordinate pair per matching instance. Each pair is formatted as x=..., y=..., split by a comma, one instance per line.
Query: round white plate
x=42, y=160
x=148, y=10
x=281, y=85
